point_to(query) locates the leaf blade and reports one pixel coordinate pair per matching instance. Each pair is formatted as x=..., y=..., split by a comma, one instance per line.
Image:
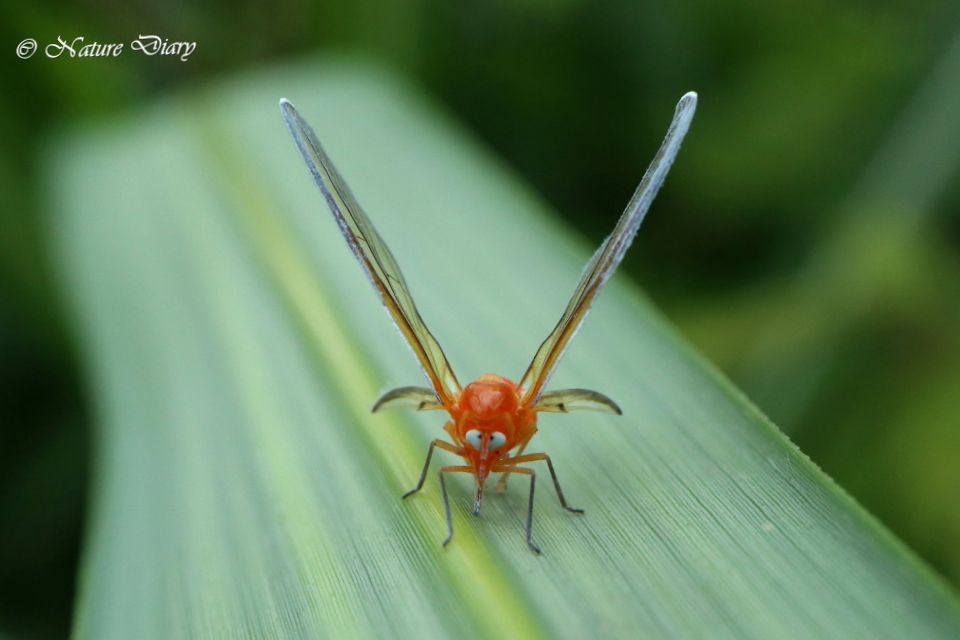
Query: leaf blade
x=244, y=490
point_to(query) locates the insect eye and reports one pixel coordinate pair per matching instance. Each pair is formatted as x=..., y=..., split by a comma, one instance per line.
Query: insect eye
x=473, y=438
x=497, y=440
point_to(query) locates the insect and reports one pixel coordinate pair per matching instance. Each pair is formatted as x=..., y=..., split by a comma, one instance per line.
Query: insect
x=492, y=419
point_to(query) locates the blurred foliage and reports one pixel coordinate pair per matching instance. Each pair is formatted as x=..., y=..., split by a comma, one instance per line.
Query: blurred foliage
x=809, y=241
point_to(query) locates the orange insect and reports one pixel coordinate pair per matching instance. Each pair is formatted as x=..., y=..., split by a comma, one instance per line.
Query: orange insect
x=492, y=419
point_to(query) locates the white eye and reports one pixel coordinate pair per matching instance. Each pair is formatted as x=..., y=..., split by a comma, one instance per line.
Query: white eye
x=473, y=438
x=497, y=440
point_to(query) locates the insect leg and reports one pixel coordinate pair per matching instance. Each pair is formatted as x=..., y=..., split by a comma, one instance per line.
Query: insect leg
x=501, y=485
x=533, y=478
x=426, y=464
x=533, y=457
x=443, y=494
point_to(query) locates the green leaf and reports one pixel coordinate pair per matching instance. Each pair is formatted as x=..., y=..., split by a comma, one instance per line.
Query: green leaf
x=243, y=489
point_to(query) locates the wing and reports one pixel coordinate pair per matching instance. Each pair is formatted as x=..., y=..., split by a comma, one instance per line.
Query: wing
x=567, y=400
x=419, y=398
x=607, y=257
x=374, y=257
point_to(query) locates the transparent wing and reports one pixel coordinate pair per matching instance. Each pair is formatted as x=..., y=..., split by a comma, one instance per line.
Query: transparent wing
x=607, y=257
x=419, y=398
x=374, y=257
x=567, y=400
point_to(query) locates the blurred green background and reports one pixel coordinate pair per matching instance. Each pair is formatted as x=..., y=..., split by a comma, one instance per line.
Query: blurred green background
x=807, y=241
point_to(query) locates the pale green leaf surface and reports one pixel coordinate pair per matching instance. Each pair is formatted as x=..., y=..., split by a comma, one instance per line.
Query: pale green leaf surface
x=243, y=490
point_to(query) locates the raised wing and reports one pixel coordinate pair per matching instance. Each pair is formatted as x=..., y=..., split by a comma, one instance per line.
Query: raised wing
x=374, y=257
x=607, y=257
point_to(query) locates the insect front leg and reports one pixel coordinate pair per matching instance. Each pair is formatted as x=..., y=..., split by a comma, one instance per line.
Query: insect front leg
x=501, y=485
x=443, y=444
x=443, y=494
x=533, y=479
